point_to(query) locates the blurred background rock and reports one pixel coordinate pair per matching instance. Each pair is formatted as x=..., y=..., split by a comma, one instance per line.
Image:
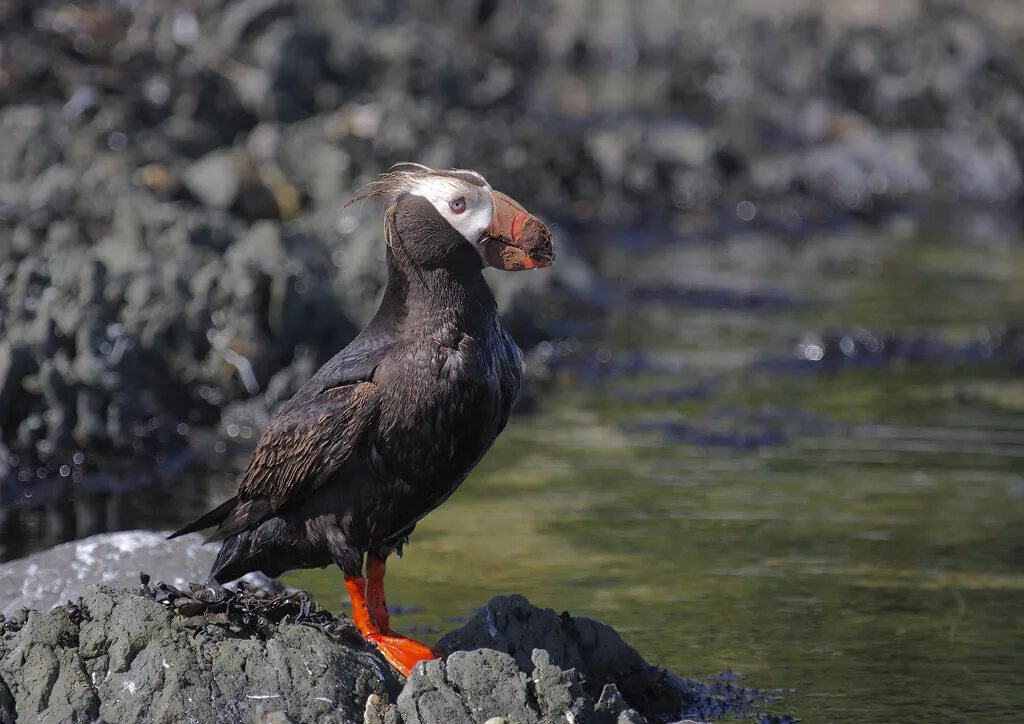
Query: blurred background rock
x=174, y=248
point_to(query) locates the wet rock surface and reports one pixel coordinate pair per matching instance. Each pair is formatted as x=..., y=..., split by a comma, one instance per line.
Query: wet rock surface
x=173, y=249
x=60, y=574
x=159, y=653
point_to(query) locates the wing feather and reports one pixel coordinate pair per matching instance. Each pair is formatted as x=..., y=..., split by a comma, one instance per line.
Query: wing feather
x=299, y=451
x=313, y=435
x=301, y=448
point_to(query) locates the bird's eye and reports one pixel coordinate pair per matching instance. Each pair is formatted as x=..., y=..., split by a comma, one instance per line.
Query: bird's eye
x=457, y=205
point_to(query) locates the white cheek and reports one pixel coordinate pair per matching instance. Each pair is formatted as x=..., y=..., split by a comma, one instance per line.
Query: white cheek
x=471, y=223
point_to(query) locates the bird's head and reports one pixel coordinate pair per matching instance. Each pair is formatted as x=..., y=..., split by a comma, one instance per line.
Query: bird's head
x=437, y=217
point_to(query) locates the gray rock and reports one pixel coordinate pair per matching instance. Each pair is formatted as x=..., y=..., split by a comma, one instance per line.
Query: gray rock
x=984, y=169
x=559, y=694
x=242, y=20
x=571, y=660
x=54, y=187
x=16, y=364
x=611, y=707
x=214, y=179
x=161, y=654
x=295, y=56
x=57, y=575
x=123, y=657
x=488, y=685
x=60, y=574
x=469, y=686
x=315, y=162
x=31, y=147
x=260, y=246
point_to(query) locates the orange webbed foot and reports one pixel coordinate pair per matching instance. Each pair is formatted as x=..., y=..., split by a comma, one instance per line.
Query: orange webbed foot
x=370, y=614
x=402, y=653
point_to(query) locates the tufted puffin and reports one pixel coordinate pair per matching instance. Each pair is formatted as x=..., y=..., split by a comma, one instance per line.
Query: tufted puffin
x=389, y=427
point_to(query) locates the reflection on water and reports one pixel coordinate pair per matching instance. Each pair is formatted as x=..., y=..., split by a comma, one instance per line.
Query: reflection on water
x=730, y=497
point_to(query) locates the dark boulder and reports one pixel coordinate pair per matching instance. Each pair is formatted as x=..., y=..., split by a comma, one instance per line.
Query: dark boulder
x=569, y=661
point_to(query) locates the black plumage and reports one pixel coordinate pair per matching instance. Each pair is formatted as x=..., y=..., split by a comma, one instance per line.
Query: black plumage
x=388, y=428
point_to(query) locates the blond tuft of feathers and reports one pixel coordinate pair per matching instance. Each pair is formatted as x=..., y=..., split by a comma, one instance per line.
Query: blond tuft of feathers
x=399, y=177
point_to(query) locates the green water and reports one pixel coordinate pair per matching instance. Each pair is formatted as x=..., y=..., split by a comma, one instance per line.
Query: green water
x=870, y=557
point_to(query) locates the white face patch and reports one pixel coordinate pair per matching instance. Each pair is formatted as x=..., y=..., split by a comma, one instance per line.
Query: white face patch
x=442, y=191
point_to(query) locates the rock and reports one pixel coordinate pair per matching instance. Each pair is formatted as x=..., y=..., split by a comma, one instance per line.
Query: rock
x=320, y=165
x=33, y=144
x=162, y=654
x=188, y=127
x=16, y=364
x=611, y=707
x=215, y=179
x=260, y=247
x=377, y=711
x=58, y=575
x=465, y=688
x=985, y=170
x=121, y=656
x=570, y=660
x=471, y=685
x=295, y=55
x=241, y=21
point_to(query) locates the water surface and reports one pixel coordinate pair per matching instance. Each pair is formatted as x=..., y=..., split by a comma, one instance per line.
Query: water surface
x=851, y=529
x=802, y=462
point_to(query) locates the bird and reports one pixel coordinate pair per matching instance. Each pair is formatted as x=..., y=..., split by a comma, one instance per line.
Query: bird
x=388, y=428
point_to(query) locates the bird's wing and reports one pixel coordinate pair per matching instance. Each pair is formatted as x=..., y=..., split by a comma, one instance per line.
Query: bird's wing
x=312, y=436
x=355, y=363
x=299, y=450
x=315, y=431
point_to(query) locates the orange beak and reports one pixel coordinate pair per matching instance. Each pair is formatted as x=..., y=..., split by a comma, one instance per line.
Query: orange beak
x=516, y=238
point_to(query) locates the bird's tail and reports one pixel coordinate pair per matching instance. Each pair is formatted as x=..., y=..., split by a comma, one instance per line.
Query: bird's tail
x=255, y=550
x=233, y=559
x=214, y=517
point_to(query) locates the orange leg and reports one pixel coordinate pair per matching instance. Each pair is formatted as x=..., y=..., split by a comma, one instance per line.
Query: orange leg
x=367, y=603
x=375, y=570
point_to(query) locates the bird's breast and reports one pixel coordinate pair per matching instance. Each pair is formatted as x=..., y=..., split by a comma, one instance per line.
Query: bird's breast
x=444, y=409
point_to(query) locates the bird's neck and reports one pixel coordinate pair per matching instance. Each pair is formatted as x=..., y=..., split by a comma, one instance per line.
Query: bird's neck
x=418, y=300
